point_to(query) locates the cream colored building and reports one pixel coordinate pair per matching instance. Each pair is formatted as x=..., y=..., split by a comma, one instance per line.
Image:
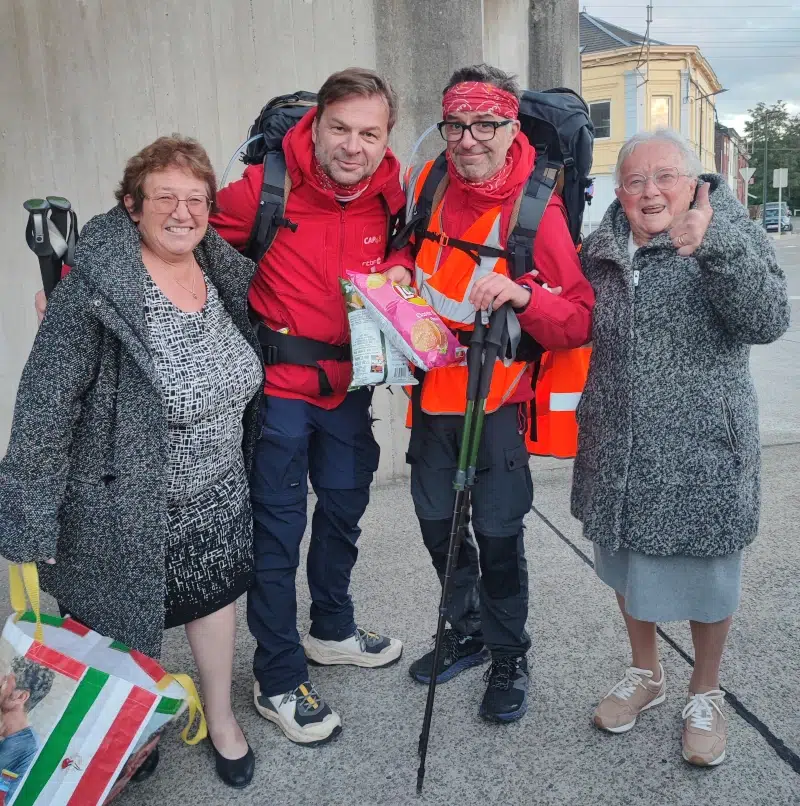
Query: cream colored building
x=631, y=86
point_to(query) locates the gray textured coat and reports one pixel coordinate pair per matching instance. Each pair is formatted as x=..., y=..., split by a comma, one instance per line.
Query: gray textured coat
x=668, y=451
x=84, y=476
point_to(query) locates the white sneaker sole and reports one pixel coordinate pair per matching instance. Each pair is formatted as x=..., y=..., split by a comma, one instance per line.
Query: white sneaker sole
x=325, y=655
x=704, y=764
x=316, y=734
x=625, y=728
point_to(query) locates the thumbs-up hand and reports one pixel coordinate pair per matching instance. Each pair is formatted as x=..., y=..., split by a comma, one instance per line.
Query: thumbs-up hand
x=689, y=228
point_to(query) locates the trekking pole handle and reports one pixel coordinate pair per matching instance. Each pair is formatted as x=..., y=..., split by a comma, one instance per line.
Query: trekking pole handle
x=493, y=342
x=475, y=356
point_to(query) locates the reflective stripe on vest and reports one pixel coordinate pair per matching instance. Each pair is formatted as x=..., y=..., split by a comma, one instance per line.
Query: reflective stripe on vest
x=446, y=286
x=562, y=376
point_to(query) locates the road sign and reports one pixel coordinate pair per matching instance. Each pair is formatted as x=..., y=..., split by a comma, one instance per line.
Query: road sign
x=780, y=178
x=747, y=174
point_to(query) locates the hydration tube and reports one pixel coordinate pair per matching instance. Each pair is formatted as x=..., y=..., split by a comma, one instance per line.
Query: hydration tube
x=236, y=153
x=418, y=144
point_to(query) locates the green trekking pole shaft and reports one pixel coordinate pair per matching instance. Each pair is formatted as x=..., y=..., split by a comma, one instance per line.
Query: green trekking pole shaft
x=475, y=367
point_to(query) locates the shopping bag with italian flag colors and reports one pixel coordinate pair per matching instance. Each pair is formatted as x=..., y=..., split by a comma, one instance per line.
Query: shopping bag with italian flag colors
x=78, y=712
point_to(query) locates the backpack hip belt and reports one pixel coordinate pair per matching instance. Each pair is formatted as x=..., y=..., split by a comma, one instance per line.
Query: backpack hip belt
x=282, y=348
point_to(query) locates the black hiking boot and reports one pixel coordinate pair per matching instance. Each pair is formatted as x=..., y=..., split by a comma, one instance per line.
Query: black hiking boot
x=459, y=652
x=506, y=698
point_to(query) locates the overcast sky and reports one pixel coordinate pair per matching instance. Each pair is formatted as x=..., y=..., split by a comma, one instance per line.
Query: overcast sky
x=753, y=47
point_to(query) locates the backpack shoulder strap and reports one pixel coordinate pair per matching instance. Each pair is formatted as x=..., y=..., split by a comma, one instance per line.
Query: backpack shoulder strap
x=527, y=213
x=418, y=213
x=271, y=207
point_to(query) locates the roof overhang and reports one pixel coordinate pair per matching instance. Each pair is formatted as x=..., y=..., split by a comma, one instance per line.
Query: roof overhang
x=689, y=53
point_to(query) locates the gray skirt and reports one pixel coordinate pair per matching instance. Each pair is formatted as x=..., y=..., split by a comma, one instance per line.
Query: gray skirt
x=677, y=588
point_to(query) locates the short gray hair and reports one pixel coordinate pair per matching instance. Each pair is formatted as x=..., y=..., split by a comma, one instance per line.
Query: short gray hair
x=692, y=164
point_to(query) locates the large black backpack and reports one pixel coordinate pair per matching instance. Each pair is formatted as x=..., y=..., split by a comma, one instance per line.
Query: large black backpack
x=266, y=146
x=557, y=124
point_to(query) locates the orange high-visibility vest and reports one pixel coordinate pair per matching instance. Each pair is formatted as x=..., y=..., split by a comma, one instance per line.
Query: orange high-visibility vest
x=446, y=286
x=559, y=384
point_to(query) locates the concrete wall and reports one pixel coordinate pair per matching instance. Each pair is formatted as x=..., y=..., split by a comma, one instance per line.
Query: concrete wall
x=86, y=83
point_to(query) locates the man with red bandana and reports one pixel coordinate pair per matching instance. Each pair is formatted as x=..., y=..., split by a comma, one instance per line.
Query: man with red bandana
x=489, y=162
x=343, y=180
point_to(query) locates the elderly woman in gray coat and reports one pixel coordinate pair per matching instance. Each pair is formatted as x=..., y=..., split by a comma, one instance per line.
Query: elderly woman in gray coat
x=666, y=480
x=126, y=471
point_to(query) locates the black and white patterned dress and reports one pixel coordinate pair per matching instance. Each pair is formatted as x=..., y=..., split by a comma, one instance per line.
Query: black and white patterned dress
x=208, y=374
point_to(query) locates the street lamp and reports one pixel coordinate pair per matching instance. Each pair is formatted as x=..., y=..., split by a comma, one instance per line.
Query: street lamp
x=701, y=99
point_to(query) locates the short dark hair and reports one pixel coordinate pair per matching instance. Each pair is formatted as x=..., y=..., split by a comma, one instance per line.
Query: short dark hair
x=357, y=81
x=163, y=153
x=35, y=679
x=486, y=74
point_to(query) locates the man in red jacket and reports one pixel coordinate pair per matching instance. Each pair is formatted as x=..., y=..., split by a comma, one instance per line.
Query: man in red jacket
x=489, y=162
x=344, y=183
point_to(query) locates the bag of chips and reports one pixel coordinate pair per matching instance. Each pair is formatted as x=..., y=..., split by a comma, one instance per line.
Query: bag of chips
x=375, y=359
x=408, y=322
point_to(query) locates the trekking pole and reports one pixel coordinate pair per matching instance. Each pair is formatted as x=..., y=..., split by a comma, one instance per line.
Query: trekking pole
x=51, y=234
x=484, y=349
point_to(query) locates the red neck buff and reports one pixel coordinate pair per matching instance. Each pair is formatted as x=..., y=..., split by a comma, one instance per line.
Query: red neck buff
x=478, y=96
x=342, y=193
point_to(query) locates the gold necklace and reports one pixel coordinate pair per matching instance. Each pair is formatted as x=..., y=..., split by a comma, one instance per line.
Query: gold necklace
x=190, y=290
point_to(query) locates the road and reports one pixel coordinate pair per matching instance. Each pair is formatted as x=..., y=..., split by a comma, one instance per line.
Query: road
x=553, y=756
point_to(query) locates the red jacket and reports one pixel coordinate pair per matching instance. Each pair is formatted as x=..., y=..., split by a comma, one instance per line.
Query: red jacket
x=297, y=282
x=555, y=321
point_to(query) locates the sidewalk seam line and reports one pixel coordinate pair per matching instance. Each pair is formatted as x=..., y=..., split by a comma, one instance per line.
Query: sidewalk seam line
x=783, y=751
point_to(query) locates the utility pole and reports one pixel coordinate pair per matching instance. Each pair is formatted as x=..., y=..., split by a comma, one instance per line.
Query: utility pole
x=764, y=205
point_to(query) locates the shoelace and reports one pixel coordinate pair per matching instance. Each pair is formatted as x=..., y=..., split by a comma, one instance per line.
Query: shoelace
x=700, y=709
x=501, y=673
x=305, y=695
x=366, y=638
x=451, y=640
x=633, y=677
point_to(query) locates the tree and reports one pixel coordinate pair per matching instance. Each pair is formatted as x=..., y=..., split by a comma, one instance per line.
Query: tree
x=782, y=134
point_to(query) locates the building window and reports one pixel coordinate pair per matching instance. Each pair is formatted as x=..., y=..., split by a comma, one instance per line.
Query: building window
x=600, y=113
x=661, y=112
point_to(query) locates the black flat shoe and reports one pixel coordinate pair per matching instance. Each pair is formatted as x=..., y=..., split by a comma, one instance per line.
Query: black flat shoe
x=147, y=768
x=237, y=772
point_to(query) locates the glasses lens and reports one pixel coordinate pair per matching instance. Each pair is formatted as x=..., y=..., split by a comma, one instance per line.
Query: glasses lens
x=197, y=204
x=165, y=203
x=666, y=179
x=33, y=205
x=483, y=131
x=451, y=131
x=59, y=202
x=634, y=184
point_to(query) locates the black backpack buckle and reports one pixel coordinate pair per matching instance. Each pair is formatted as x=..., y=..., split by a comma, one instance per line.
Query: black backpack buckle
x=270, y=354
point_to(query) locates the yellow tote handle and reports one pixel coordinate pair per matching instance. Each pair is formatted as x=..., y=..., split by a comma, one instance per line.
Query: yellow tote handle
x=23, y=581
x=195, y=706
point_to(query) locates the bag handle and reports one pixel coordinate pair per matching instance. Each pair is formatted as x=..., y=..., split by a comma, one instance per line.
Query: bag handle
x=23, y=583
x=195, y=706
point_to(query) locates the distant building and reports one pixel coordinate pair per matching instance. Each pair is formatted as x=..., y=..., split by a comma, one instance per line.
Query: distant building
x=731, y=156
x=631, y=86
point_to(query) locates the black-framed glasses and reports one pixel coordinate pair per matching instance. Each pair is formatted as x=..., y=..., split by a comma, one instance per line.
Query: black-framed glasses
x=480, y=130
x=168, y=203
x=665, y=179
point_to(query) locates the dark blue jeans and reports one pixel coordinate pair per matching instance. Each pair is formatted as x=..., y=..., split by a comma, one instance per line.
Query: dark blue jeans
x=337, y=450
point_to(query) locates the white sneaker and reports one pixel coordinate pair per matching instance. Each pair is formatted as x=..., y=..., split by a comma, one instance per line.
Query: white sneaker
x=362, y=648
x=303, y=716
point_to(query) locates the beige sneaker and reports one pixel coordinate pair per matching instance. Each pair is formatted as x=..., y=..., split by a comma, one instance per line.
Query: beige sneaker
x=636, y=692
x=705, y=733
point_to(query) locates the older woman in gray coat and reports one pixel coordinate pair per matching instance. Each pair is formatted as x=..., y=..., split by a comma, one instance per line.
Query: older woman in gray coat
x=126, y=471
x=666, y=480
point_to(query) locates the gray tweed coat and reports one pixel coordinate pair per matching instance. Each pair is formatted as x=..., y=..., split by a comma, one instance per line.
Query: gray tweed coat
x=84, y=476
x=668, y=450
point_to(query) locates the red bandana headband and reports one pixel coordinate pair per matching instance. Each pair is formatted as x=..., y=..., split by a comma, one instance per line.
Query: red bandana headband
x=478, y=96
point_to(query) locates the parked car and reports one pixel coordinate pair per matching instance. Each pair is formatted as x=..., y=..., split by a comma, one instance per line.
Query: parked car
x=771, y=219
